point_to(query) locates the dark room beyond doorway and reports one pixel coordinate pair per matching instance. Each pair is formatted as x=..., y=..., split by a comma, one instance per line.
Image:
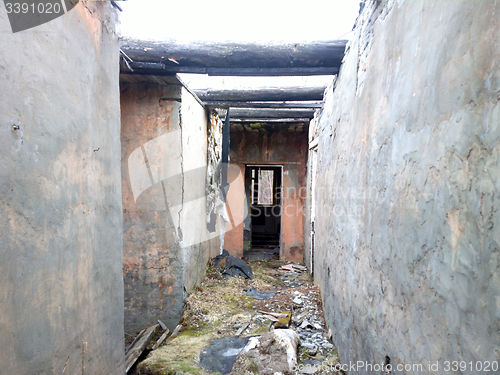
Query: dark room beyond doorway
x=263, y=229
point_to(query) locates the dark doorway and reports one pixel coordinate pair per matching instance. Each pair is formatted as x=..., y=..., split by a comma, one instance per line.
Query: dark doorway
x=263, y=185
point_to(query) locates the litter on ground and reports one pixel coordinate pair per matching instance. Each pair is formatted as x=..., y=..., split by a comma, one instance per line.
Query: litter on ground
x=232, y=266
x=226, y=328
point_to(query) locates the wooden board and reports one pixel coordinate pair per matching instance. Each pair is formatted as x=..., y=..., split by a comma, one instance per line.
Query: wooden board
x=138, y=346
x=161, y=339
x=242, y=113
x=262, y=120
x=273, y=72
x=177, y=55
x=250, y=104
x=163, y=70
x=283, y=94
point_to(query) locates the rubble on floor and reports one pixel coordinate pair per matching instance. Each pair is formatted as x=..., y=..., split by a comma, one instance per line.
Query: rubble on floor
x=293, y=268
x=220, y=308
x=274, y=352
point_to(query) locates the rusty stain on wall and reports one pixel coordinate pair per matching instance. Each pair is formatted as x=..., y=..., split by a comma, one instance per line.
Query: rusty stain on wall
x=166, y=244
x=60, y=201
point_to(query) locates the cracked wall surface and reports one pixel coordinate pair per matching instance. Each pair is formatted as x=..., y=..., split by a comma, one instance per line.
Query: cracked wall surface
x=61, y=298
x=164, y=163
x=407, y=193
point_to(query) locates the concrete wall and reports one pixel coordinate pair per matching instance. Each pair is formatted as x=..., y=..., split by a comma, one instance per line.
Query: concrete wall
x=408, y=182
x=237, y=210
x=60, y=196
x=286, y=147
x=164, y=162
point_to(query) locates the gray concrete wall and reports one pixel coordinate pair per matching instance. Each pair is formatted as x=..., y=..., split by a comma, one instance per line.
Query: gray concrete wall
x=408, y=183
x=164, y=165
x=61, y=298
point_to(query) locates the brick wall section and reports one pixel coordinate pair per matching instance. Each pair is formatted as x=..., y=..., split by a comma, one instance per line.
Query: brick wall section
x=164, y=167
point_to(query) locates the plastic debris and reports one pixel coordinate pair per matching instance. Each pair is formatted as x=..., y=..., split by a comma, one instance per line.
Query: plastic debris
x=257, y=294
x=221, y=353
x=232, y=266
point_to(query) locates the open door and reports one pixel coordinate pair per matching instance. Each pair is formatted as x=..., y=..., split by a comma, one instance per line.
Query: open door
x=263, y=229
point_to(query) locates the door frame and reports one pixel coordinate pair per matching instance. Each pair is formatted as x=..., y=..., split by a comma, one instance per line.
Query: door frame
x=281, y=167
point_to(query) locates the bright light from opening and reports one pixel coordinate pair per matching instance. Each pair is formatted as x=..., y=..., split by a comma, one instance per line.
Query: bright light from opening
x=224, y=20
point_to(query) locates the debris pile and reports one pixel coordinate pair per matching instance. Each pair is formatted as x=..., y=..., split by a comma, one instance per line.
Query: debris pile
x=274, y=352
x=289, y=273
x=271, y=323
x=291, y=267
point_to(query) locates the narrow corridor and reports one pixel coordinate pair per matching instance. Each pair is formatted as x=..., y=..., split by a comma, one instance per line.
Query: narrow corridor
x=222, y=308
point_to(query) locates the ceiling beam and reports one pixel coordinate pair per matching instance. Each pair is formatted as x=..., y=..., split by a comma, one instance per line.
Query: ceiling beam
x=147, y=68
x=176, y=56
x=273, y=72
x=272, y=104
x=281, y=94
x=270, y=120
x=268, y=113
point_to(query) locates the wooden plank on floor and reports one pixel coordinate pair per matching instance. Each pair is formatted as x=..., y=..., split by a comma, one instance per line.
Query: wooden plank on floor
x=161, y=339
x=138, y=346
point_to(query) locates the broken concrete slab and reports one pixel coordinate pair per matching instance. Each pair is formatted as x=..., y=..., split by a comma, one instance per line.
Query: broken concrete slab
x=308, y=324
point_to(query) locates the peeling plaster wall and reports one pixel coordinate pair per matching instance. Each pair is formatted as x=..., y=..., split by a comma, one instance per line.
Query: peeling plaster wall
x=200, y=245
x=164, y=163
x=408, y=180
x=213, y=182
x=60, y=196
x=287, y=146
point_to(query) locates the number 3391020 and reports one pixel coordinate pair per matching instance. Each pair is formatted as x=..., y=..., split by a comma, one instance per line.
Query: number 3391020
x=39, y=8
x=485, y=366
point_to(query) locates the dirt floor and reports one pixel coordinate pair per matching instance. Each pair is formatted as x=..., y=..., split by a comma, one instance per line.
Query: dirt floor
x=220, y=308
